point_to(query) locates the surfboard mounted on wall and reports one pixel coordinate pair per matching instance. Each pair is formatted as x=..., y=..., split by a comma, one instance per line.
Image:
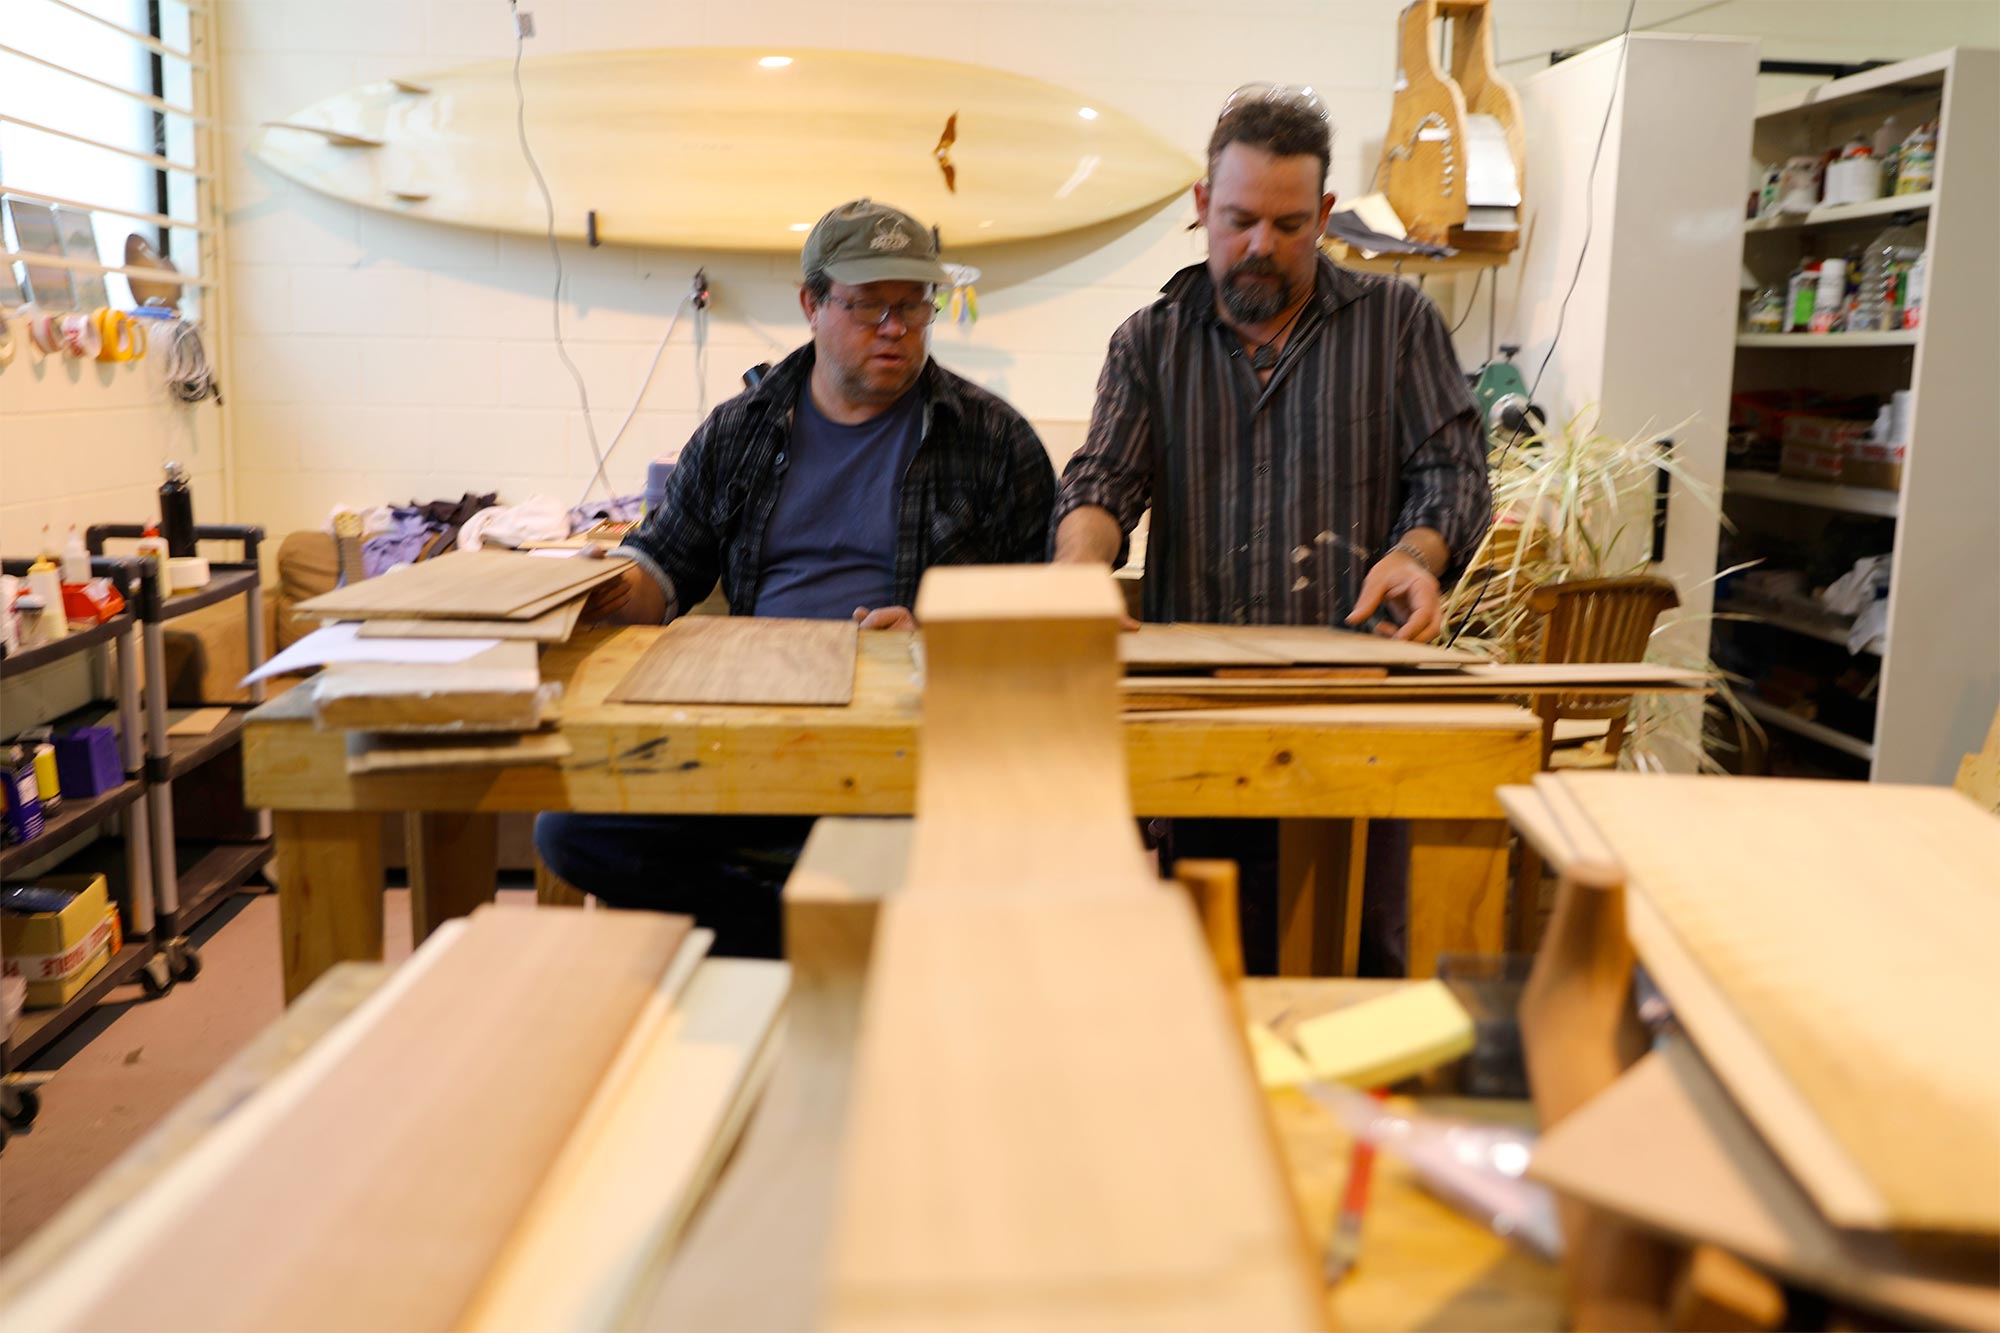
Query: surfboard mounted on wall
x=737, y=149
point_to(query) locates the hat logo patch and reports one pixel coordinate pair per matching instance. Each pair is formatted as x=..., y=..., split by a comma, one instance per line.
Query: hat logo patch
x=888, y=237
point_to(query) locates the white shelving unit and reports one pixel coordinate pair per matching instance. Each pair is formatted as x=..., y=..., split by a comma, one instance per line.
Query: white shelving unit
x=1940, y=666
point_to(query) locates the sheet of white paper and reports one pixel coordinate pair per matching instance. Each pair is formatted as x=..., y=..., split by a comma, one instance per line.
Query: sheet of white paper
x=340, y=643
x=1489, y=167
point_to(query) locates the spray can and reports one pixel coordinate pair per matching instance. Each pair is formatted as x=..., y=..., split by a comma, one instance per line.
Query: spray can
x=177, y=511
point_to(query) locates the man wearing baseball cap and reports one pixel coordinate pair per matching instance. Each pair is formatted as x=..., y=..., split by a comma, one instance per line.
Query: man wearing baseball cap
x=824, y=492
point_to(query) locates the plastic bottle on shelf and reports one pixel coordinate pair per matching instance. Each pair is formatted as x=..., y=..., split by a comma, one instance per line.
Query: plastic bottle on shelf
x=75, y=559
x=1913, y=299
x=154, y=545
x=45, y=582
x=1799, y=296
x=1885, y=268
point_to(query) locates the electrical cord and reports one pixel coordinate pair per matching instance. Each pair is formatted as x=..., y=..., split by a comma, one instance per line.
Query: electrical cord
x=1562, y=311
x=1471, y=301
x=601, y=455
x=189, y=374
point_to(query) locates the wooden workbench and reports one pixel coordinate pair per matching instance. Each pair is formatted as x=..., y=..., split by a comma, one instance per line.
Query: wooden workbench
x=1436, y=765
x=1422, y=1264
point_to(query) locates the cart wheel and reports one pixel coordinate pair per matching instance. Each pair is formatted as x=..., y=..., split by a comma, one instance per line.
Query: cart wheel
x=185, y=961
x=156, y=976
x=27, y=1105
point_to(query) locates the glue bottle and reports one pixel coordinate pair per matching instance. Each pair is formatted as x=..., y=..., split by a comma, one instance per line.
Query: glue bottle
x=45, y=582
x=154, y=545
x=75, y=559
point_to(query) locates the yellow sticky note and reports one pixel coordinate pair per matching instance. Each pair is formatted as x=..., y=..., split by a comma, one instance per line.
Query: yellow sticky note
x=1379, y=1042
x=1278, y=1065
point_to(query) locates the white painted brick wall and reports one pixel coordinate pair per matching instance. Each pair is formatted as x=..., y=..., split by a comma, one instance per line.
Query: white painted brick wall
x=381, y=358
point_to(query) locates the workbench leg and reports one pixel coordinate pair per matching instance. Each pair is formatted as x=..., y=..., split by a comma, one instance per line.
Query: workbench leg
x=1458, y=890
x=329, y=891
x=454, y=866
x=1320, y=872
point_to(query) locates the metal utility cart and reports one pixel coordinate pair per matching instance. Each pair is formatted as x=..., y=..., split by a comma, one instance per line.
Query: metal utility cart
x=191, y=878
x=139, y=957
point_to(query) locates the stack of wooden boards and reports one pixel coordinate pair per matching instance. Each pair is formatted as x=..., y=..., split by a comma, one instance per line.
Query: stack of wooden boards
x=1833, y=1114
x=1211, y=666
x=511, y=1134
x=491, y=708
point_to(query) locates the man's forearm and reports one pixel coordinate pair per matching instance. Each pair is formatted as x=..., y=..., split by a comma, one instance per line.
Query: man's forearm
x=1088, y=534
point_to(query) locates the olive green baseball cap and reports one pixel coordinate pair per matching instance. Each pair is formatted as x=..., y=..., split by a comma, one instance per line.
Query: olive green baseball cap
x=864, y=241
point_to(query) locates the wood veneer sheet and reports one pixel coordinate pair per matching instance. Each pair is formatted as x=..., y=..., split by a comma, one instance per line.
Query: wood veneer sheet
x=552, y=627
x=382, y=1195
x=471, y=585
x=1666, y=1147
x=744, y=660
x=1849, y=928
x=1177, y=646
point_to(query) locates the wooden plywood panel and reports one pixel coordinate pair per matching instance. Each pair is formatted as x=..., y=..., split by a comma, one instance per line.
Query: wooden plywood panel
x=998, y=1174
x=1847, y=930
x=498, y=690
x=472, y=585
x=1704, y=1174
x=1166, y=647
x=551, y=627
x=744, y=660
x=383, y=1194
x=368, y=752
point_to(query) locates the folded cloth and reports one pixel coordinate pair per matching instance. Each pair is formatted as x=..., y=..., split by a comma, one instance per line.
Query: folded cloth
x=539, y=518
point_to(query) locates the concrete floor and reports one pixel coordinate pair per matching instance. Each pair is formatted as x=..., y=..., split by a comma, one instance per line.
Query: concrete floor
x=119, y=1071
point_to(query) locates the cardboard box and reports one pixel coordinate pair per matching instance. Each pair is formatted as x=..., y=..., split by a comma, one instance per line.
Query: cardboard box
x=1816, y=447
x=1877, y=466
x=1810, y=462
x=57, y=953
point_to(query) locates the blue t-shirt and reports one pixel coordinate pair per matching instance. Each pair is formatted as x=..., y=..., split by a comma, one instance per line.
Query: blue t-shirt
x=831, y=543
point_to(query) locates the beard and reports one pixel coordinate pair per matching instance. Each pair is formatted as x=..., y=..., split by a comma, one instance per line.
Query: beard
x=1253, y=302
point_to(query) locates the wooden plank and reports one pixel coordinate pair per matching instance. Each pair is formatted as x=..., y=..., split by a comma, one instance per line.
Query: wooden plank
x=551, y=627
x=620, y=1195
x=996, y=1176
x=406, y=1162
x=329, y=891
x=386, y=752
x=198, y=722
x=1182, y=647
x=1458, y=890
x=468, y=585
x=498, y=690
x=1848, y=930
x=754, y=1259
x=991, y=1178
x=745, y=660
x=1502, y=678
x=454, y=864
x=1020, y=716
x=1707, y=1175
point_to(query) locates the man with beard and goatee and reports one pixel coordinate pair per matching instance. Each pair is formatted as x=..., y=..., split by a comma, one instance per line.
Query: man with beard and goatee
x=1303, y=435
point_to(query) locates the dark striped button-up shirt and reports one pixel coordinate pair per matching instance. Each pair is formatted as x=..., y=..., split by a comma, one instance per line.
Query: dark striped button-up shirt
x=1270, y=502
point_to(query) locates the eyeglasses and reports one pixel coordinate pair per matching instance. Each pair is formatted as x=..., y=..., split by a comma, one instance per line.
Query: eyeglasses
x=874, y=314
x=1279, y=94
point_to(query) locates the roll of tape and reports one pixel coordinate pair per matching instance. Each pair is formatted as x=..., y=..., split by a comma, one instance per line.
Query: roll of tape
x=80, y=337
x=188, y=572
x=45, y=332
x=122, y=338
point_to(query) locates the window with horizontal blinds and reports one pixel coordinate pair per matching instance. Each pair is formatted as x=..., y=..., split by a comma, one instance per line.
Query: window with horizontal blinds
x=101, y=118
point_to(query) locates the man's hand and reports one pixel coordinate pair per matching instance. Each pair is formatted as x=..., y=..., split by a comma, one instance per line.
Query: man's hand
x=1411, y=592
x=884, y=617
x=630, y=599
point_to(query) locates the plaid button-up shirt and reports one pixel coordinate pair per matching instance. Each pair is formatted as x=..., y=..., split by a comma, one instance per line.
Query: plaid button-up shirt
x=1270, y=502
x=978, y=491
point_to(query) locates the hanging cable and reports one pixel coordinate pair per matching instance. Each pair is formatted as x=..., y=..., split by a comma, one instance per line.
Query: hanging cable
x=189, y=374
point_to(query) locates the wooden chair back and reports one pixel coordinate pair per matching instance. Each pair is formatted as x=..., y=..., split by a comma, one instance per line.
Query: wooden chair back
x=1596, y=620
